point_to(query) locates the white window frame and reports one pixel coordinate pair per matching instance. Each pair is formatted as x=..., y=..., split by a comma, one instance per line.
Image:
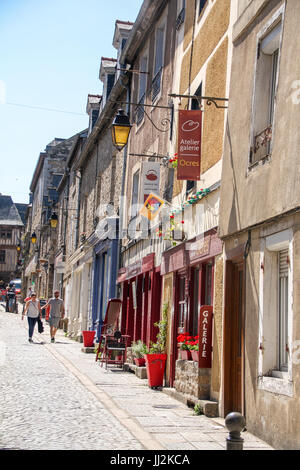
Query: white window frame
x=143, y=79
x=270, y=377
x=161, y=27
x=134, y=205
x=272, y=25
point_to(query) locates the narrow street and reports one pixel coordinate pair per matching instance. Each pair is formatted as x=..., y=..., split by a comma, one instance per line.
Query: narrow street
x=55, y=397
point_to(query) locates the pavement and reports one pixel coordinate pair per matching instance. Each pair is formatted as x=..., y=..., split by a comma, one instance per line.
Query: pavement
x=56, y=397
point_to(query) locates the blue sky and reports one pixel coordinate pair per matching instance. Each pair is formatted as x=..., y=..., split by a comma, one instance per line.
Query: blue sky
x=50, y=52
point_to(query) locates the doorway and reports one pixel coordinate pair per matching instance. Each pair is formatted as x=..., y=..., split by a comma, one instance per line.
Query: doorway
x=234, y=337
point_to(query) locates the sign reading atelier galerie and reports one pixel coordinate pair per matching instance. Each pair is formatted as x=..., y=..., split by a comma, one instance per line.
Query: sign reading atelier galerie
x=189, y=145
x=205, y=336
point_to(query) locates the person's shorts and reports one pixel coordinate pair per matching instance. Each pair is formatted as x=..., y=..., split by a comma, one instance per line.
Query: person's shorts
x=54, y=321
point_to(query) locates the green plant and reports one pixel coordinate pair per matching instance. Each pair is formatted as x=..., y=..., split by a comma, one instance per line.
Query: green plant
x=139, y=349
x=198, y=409
x=161, y=338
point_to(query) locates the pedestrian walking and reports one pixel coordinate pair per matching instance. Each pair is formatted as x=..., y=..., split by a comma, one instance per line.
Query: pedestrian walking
x=57, y=311
x=33, y=311
x=11, y=297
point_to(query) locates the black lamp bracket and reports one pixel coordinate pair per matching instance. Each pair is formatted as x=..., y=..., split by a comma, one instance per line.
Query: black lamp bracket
x=167, y=123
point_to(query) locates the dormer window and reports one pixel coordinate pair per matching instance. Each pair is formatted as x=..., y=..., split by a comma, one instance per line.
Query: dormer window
x=107, y=76
x=122, y=31
x=93, y=109
x=110, y=81
x=95, y=114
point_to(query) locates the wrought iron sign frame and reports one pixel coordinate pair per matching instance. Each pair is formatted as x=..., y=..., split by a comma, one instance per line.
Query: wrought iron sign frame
x=209, y=99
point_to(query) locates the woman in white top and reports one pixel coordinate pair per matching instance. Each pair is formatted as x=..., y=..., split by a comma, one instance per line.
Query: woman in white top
x=33, y=310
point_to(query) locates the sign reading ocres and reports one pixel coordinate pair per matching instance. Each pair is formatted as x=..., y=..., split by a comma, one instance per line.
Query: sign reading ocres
x=205, y=336
x=189, y=145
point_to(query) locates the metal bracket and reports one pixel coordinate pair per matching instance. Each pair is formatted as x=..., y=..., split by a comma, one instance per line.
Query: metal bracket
x=165, y=122
x=209, y=99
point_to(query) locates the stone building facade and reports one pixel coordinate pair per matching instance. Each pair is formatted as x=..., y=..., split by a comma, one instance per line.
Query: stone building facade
x=11, y=232
x=259, y=224
x=39, y=269
x=92, y=187
x=149, y=52
x=193, y=269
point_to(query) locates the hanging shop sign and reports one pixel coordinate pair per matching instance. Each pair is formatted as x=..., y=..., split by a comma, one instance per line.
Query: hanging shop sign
x=150, y=179
x=205, y=336
x=189, y=145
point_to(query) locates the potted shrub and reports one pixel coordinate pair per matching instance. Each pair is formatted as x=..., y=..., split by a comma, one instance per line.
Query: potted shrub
x=156, y=357
x=138, y=350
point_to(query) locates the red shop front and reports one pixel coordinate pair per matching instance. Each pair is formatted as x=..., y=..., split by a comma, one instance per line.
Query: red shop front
x=192, y=264
x=141, y=296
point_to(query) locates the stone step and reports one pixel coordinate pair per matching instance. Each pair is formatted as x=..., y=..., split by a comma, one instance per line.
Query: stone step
x=209, y=408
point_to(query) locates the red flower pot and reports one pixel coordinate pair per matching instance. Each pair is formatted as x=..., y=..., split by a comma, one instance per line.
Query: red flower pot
x=155, y=364
x=139, y=361
x=88, y=338
x=185, y=355
x=195, y=356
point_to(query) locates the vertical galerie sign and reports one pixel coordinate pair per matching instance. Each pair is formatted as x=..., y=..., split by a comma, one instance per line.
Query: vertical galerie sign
x=189, y=145
x=205, y=336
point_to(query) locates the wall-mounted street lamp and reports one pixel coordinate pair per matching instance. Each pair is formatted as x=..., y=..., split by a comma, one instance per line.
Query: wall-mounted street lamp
x=33, y=238
x=53, y=220
x=120, y=130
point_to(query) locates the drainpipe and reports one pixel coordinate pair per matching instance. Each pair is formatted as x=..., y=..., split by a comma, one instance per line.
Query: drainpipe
x=245, y=256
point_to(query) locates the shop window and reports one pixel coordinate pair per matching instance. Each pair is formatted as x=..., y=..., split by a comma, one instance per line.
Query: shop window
x=202, y=292
x=181, y=304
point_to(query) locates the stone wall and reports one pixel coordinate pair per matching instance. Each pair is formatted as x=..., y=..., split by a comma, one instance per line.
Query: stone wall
x=191, y=380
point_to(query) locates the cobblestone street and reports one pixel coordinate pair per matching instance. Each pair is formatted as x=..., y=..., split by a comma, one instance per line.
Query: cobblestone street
x=55, y=397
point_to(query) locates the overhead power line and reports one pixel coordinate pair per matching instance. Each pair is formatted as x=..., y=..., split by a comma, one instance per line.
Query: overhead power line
x=42, y=108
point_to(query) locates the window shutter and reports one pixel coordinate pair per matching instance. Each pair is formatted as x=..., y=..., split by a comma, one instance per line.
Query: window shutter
x=283, y=263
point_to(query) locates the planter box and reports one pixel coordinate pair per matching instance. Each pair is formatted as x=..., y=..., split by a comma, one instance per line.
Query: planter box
x=185, y=355
x=139, y=361
x=195, y=356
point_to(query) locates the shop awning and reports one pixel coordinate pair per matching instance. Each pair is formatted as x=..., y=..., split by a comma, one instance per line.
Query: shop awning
x=31, y=268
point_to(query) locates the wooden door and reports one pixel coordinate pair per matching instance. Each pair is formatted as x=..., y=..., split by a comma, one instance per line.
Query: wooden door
x=234, y=337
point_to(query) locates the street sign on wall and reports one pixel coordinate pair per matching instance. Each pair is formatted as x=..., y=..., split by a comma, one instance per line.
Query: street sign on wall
x=205, y=336
x=189, y=145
